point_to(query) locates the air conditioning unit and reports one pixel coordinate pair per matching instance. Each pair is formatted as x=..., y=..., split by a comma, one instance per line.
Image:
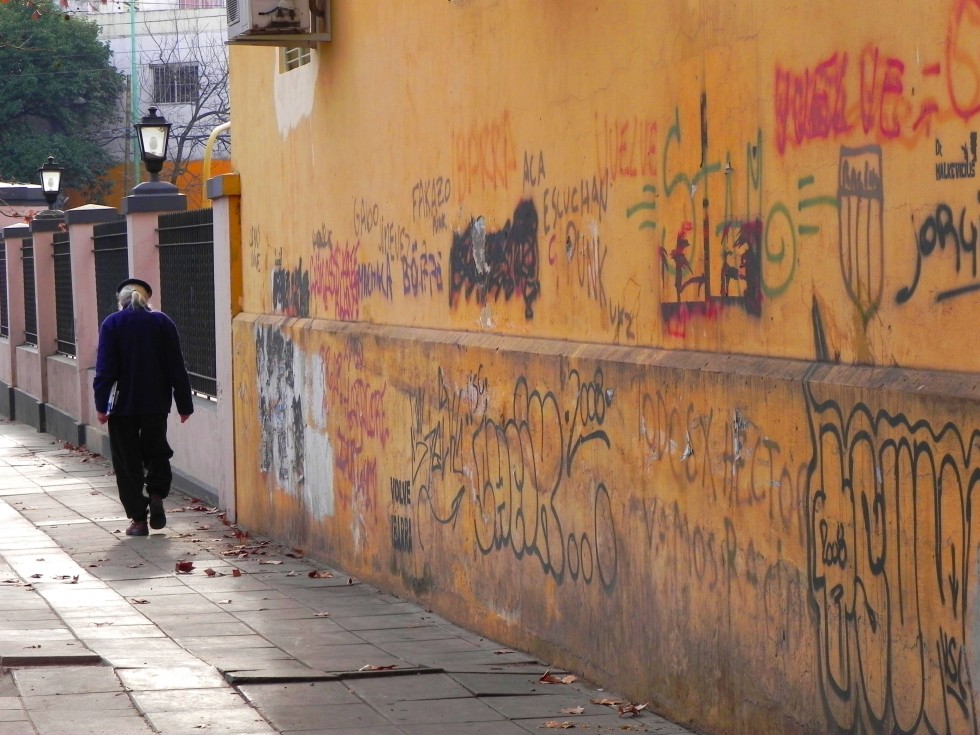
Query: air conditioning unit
x=278, y=22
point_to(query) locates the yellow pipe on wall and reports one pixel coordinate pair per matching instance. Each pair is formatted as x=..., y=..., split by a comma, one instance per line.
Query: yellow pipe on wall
x=209, y=148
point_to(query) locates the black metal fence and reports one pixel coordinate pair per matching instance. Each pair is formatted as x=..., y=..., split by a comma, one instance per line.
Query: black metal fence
x=64, y=306
x=4, y=304
x=30, y=295
x=187, y=290
x=111, y=264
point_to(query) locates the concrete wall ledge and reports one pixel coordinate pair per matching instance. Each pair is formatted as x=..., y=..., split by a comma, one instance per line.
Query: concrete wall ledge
x=62, y=426
x=28, y=410
x=894, y=379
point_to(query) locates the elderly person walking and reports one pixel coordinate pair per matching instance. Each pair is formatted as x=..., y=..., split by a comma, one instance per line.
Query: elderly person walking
x=139, y=372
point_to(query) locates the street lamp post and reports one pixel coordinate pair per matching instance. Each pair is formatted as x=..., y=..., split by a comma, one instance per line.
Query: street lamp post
x=50, y=173
x=153, y=134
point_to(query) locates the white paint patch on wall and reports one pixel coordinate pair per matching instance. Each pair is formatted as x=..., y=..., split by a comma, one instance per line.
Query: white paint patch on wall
x=318, y=488
x=295, y=450
x=294, y=91
x=318, y=492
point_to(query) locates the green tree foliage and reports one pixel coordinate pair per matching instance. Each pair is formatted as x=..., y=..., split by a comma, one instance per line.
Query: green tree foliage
x=58, y=90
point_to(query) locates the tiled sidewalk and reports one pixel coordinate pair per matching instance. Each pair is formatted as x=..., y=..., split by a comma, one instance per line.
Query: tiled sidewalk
x=99, y=632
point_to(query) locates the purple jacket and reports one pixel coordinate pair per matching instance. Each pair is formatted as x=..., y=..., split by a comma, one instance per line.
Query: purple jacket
x=141, y=350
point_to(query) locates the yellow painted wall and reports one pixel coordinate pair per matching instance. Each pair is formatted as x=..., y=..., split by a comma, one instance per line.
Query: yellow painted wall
x=637, y=334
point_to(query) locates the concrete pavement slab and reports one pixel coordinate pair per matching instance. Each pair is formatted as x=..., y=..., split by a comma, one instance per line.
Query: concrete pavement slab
x=171, y=677
x=470, y=728
x=439, y=712
x=383, y=637
x=545, y=705
x=352, y=717
x=414, y=688
x=59, y=723
x=60, y=680
x=498, y=684
x=283, y=607
x=309, y=694
x=84, y=702
x=232, y=720
x=346, y=657
x=359, y=730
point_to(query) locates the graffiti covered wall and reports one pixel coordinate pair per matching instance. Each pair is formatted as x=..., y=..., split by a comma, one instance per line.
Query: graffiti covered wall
x=658, y=340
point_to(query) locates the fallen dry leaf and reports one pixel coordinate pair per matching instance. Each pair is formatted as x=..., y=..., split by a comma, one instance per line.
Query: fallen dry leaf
x=295, y=554
x=203, y=528
x=549, y=678
x=236, y=572
x=36, y=576
x=350, y=580
x=269, y=561
x=502, y=651
x=292, y=574
x=318, y=575
x=372, y=667
x=210, y=572
x=184, y=567
x=631, y=710
x=322, y=615
x=572, y=710
x=554, y=725
x=139, y=601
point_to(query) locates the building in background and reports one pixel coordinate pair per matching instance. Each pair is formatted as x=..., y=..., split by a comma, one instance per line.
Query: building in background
x=174, y=53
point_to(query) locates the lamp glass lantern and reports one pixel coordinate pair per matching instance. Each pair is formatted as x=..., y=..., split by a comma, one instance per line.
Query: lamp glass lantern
x=50, y=173
x=153, y=133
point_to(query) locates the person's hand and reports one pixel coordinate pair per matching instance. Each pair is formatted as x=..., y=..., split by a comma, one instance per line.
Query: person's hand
x=184, y=417
x=103, y=418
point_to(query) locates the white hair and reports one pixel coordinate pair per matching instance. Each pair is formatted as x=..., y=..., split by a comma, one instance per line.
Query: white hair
x=132, y=296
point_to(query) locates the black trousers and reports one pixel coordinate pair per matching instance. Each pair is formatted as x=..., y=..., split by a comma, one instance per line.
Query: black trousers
x=140, y=456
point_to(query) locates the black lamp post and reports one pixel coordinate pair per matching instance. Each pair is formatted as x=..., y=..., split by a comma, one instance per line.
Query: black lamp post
x=153, y=133
x=50, y=173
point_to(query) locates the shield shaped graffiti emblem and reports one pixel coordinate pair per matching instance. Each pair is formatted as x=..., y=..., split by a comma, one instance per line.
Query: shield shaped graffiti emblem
x=860, y=222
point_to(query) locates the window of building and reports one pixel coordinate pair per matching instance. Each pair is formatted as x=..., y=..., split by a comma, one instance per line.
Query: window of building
x=294, y=57
x=175, y=83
